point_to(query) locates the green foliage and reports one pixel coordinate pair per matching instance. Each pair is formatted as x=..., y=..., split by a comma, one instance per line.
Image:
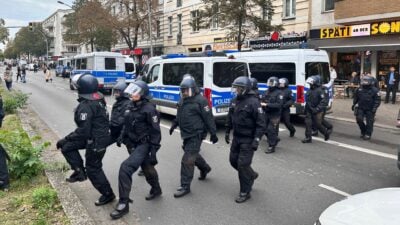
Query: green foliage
x=31, y=42
x=16, y=201
x=3, y=32
x=44, y=198
x=13, y=101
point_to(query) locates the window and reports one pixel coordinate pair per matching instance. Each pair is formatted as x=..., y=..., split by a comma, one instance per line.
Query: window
x=153, y=75
x=170, y=25
x=224, y=73
x=179, y=23
x=129, y=67
x=266, y=14
x=178, y=3
x=318, y=68
x=158, y=28
x=195, y=20
x=110, y=64
x=290, y=8
x=173, y=72
x=263, y=71
x=83, y=64
x=329, y=5
x=113, y=11
x=214, y=19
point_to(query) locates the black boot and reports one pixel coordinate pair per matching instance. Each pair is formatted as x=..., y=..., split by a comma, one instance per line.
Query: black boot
x=3, y=186
x=105, y=199
x=292, y=132
x=140, y=173
x=255, y=175
x=79, y=174
x=307, y=140
x=314, y=133
x=154, y=193
x=328, y=134
x=367, y=137
x=243, y=197
x=203, y=174
x=270, y=149
x=121, y=209
x=182, y=191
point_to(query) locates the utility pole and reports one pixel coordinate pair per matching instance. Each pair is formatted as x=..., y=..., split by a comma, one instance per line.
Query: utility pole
x=150, y=27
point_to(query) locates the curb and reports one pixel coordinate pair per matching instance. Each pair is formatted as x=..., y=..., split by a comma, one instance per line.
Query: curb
x=392, y=129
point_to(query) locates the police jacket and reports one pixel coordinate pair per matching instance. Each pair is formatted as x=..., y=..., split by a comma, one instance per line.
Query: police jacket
x=195, y=117
x=367, y=98
x=91, y=118
x=274, y=100
x=316, y=100
x=118, y=111
x=246, y=117
x=142, y=124
x=287, y=95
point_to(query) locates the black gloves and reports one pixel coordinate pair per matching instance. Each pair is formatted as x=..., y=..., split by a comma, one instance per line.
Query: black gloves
x=119, y=141
x=61, y=143
x=255, y=143
x=214, y=138
x=353, y=107
x=153, y=154
x=173, y=127
x=227, y=138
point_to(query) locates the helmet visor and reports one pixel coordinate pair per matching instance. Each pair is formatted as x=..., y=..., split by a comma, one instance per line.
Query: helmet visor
x=310, y=81
x=133, y=90
x=271, y=83
x=186, y=92
x=74, y=80
x=237, y=90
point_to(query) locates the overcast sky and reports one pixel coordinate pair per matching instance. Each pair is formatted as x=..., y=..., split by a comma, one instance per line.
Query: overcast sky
x=21, y=12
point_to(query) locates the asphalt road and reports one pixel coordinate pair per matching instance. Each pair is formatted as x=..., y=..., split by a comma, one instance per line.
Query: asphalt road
x=295, y=185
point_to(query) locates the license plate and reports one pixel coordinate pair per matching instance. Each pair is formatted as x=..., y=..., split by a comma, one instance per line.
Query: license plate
x=222, y=110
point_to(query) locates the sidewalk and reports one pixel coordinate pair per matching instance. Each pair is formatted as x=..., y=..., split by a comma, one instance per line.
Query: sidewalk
x=386, y=116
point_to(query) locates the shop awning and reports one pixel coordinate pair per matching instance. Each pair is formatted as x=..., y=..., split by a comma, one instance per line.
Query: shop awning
x=377, y=43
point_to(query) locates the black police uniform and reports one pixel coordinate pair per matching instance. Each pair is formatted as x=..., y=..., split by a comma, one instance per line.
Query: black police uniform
x=314, y=109
x=286, y=104
x=246, y=118
x=194, y=118
x=325, y=123
x=274, y=100
x=117, y=117
x=368, y=100
x=141, y=132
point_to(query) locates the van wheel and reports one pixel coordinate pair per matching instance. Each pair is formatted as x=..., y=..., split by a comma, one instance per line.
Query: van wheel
x=70, y=85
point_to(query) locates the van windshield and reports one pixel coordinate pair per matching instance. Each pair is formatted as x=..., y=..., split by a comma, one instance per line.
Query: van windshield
x=224, y=73
x=129, y=67
x=263, y=71
x=318, y=68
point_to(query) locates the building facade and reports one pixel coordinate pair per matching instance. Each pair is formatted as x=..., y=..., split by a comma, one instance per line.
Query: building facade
x=53, y=26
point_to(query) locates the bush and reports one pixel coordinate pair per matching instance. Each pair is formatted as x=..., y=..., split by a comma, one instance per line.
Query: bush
x=13, y=101
x=44, y=198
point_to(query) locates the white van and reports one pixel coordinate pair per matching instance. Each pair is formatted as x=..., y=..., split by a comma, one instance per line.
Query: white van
x=294, y=64
x=130, y=70
x=214, y=75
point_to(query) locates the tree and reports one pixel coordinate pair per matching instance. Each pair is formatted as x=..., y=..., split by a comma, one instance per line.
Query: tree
x=30, y=42
x=9, y=52
x=240, y=17
x=3, y=32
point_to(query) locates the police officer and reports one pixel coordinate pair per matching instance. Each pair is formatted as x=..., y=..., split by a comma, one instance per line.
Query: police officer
x=246, y=118
x=92, y=134
x=272, y=102
x=287, y=103
x=194, y=119
x=142, y=133
x=316, y=103
x=365, y=104
x=254, y=86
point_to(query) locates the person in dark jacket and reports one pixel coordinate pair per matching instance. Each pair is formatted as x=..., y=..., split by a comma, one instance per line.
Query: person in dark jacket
x=92, y=134
x=316, y=102
x=247, y=120
x=366, y=101
x=142, y=134
x=4, y=176
x=287, y=103
x=272, y=103
x=254, y=87
x=194, y=118
x=392, y=84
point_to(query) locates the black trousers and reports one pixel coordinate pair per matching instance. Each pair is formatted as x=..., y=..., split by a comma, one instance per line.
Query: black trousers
x=315, y=120
x=391, y=88
x=272, y=131
x=138, y=158
x=367, y=126
x=240, y=157
x=285, y=118
x=191, y=158
x=4, y=176
x=94, y=165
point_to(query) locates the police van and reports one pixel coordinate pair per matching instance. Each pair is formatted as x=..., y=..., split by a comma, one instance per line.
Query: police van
x=294, y=64
x=130, y=70
x=107, y=67
x=213, y=75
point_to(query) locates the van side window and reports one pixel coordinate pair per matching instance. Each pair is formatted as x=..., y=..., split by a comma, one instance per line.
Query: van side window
x=173, y=72
x=318, y=68
x=78, y=64
x=110, y=64
x=83, y=64
x=224, y=73
x=153, y=75
x=263, y=71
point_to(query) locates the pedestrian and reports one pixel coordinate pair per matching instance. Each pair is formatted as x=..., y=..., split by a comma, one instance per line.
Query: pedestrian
x=194, y=118
x=247, y=120
x=48, y=75
x=316, y=101
x=354, y=82
x=392, y=83
x=35, y=68
x=23, y=74
x=142, y=134
x=287, y=103
x=8, y=74
x=92, y=134
x=272, y=103
x=4, y=176
x=18, y=73
x=366, y=102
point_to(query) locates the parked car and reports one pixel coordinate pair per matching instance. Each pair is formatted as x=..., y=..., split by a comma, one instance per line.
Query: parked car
x=376, y=207
x=31, y=66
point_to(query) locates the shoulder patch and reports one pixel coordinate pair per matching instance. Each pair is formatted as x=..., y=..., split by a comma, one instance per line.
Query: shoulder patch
x=322, y=96
x=83, y=116
x=206, y=108
x=155, y=119
x=378, y=93
x=260, y=110
x=280, y=97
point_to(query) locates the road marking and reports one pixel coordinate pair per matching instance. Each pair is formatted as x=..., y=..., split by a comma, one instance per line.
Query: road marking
x=330, y=188
x=357, y=148
x=177, y=130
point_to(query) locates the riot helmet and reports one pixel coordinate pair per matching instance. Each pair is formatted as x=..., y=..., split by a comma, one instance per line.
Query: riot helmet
x=254, y=84
x=241, y=86
x=87, y=86
x=367, y=82
x=119, y=88
x=188, y=87
x=272, y=83
x=138, y=90
x=314, y=81
x=283, y=82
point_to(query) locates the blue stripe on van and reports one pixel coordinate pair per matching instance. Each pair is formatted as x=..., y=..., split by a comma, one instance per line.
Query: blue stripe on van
x=101, y=74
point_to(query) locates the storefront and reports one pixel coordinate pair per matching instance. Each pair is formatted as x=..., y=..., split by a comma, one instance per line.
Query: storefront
x=278, y=40
x=141, y=55
x=365, y=48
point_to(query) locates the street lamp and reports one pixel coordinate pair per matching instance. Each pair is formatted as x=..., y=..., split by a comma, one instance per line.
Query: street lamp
x=150, y=28
x=63, y=3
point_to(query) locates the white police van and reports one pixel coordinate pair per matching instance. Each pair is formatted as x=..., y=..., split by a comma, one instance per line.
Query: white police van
x=294, y=64
x=107, y=67
x=213, y=75
x=130, y=70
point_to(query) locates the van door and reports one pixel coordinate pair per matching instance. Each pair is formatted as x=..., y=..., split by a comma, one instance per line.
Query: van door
x=152, y=78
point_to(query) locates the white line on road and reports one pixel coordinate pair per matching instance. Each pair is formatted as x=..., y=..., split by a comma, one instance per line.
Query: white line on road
x=357, y=148
x=330, y=188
